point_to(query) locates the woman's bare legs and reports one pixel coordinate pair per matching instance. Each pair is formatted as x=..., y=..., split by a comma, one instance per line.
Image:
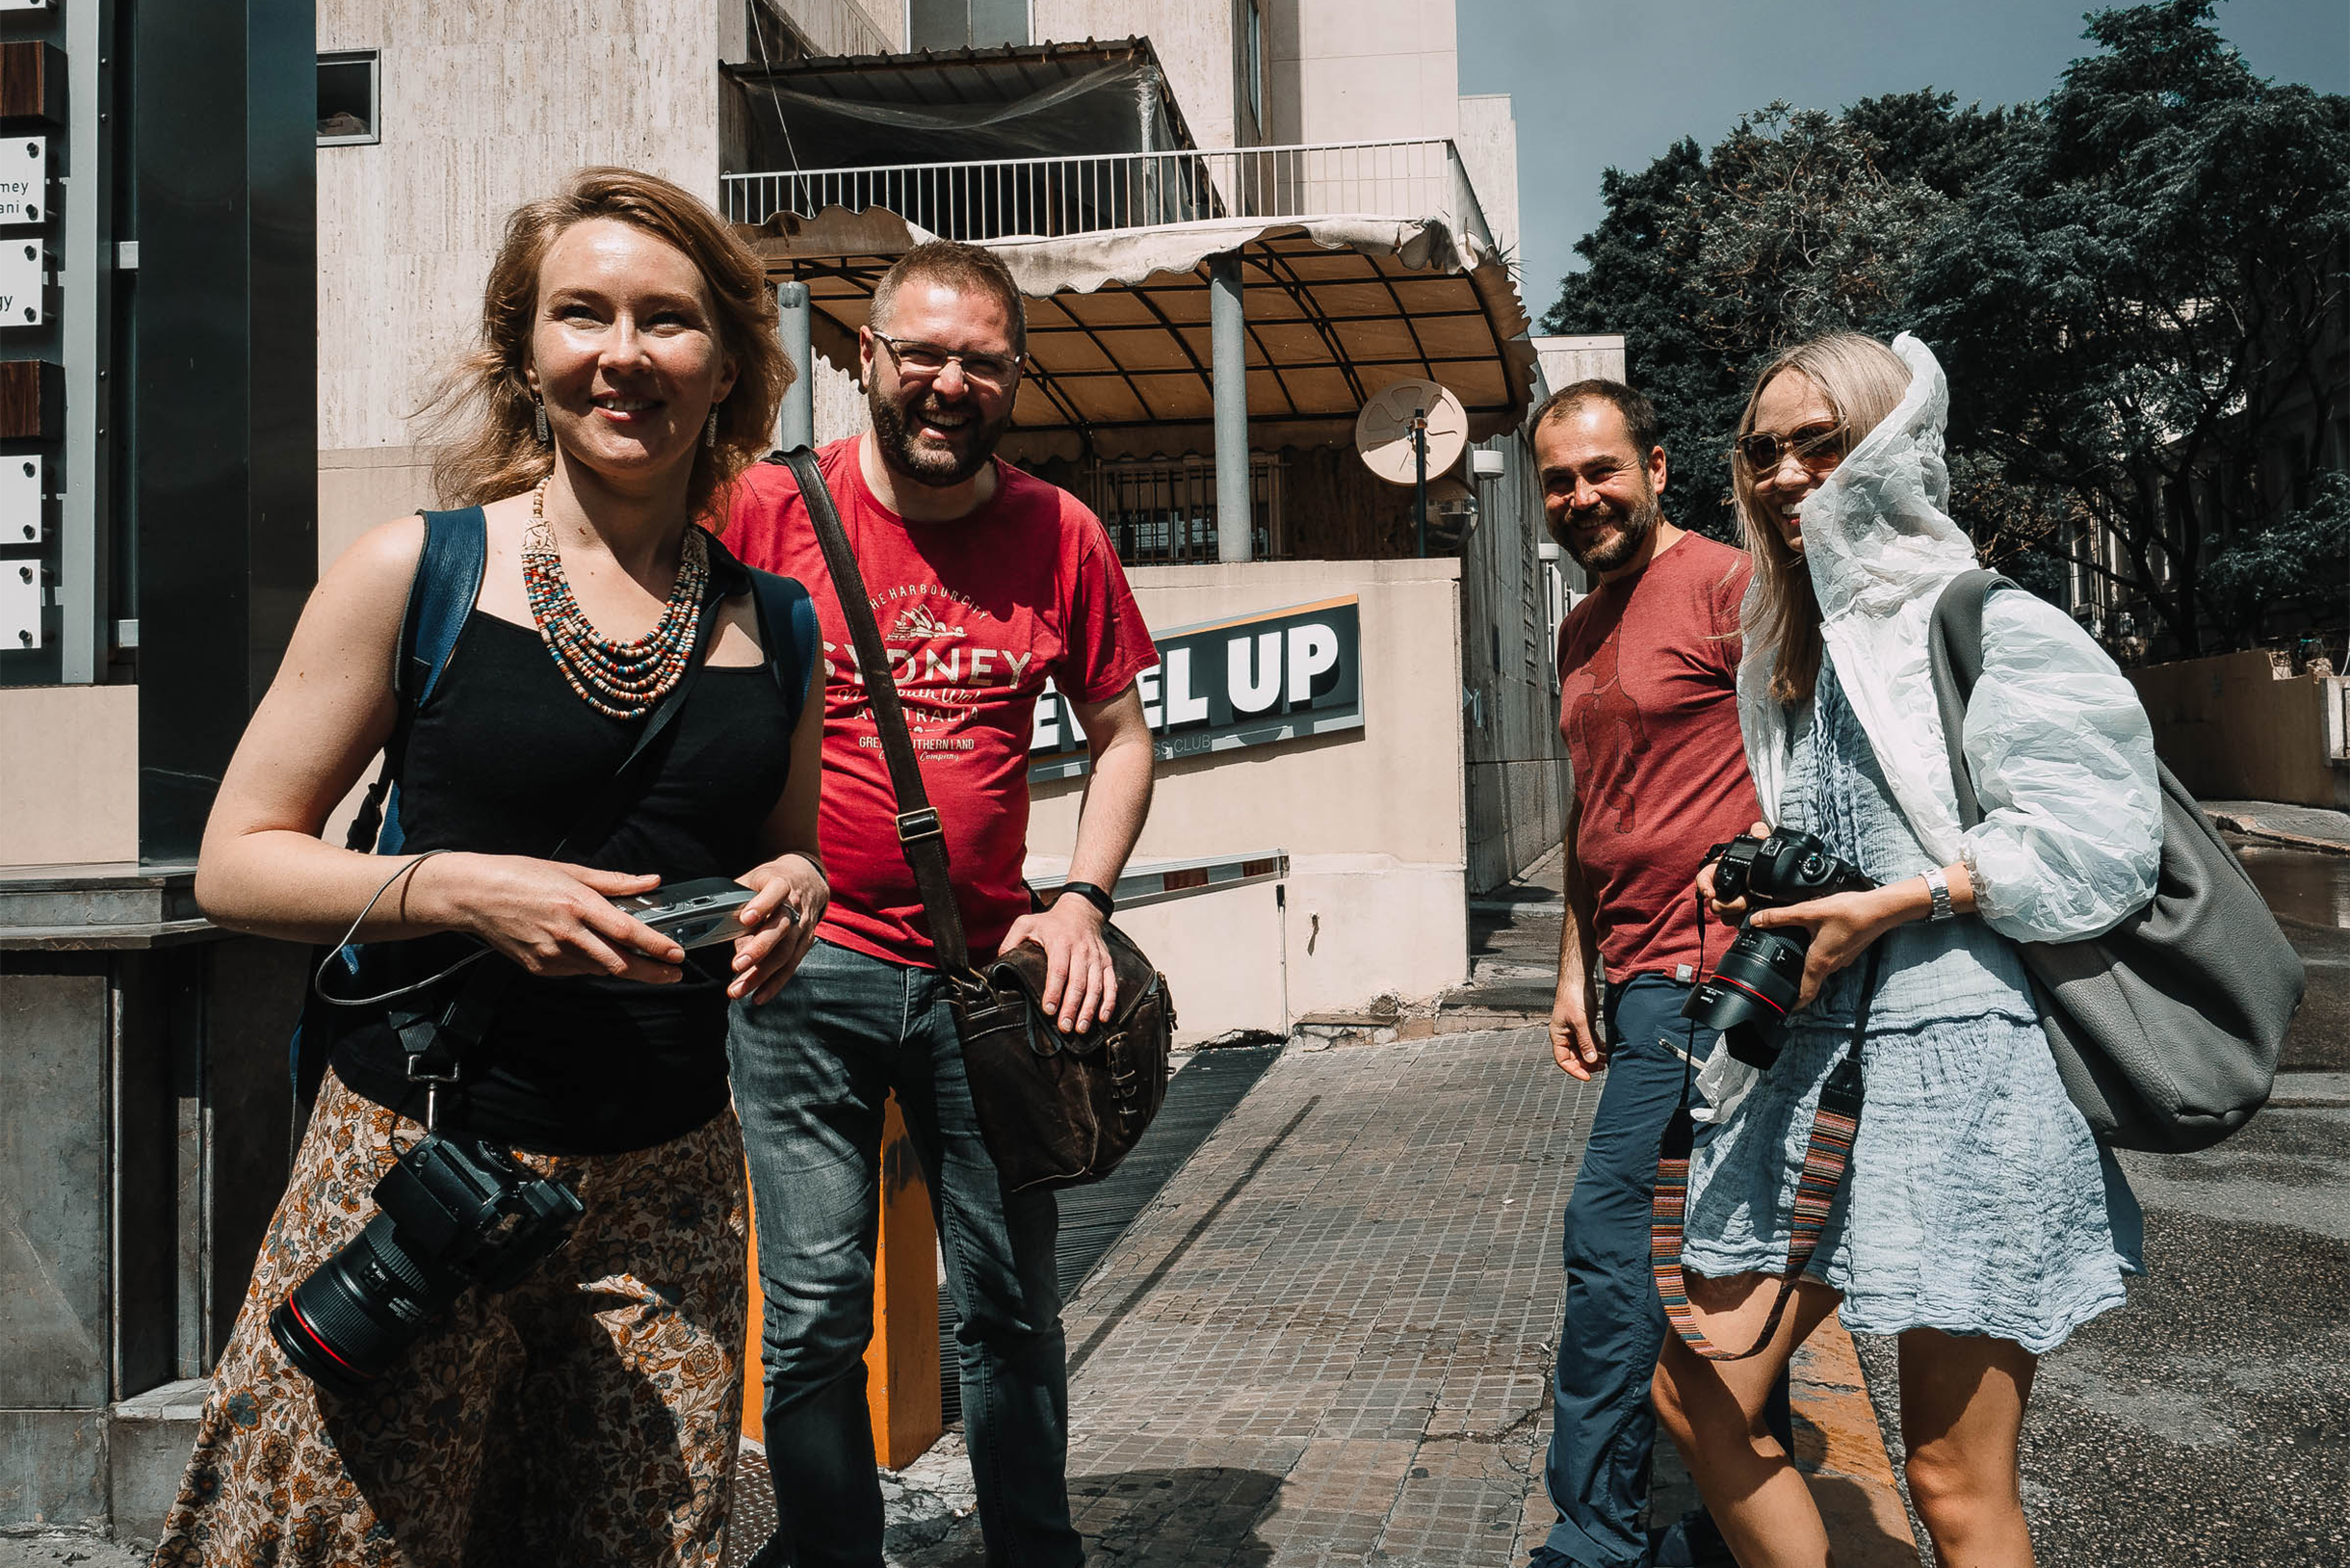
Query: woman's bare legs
x=1714, y=1410
x=1962, y=1406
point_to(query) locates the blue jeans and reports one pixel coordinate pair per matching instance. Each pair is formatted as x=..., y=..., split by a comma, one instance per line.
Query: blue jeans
x=812, y=1072
x=1603, y=1428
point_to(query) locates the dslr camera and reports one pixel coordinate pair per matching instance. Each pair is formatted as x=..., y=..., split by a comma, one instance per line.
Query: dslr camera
x=1755, y=985
x=454, y=1212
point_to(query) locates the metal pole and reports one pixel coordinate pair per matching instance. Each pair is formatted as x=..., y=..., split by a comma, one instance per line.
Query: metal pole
x=796, y=421
x=1420, y=475
x=1228, y=343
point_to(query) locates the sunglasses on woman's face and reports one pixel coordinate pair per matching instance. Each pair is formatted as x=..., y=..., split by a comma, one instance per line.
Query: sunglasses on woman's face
x=1816, y=447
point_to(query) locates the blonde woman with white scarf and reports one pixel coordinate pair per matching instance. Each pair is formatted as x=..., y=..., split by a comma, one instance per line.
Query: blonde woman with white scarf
x=1980, y=1221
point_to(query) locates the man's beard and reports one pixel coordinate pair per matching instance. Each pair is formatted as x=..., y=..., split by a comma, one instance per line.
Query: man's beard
x=1609, y=550
x=929, y=465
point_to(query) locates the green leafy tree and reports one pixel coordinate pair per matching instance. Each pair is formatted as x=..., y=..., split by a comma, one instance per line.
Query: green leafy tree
x=1708, y=263
x=2300, y=563
x=2137, y=301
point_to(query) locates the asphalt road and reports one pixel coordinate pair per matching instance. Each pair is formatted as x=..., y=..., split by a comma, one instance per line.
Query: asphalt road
x=2206, y=1421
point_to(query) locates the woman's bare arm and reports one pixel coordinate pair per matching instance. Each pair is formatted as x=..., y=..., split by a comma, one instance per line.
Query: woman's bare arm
x=328, y=713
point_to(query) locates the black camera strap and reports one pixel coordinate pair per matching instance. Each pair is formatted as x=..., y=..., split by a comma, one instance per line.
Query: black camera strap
x=1826, y=1159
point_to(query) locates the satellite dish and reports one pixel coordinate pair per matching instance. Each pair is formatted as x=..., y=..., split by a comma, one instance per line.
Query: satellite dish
x=1383, y=429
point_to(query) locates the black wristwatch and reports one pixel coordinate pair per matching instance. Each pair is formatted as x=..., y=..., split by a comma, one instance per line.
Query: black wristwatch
x=1092, y=895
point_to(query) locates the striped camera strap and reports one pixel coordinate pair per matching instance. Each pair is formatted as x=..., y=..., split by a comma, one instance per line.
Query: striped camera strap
x=1826, y=1157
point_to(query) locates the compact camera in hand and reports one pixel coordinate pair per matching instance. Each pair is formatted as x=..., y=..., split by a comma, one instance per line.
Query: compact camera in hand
x=1753, y=987
x=693, y=914
x=454, y=1212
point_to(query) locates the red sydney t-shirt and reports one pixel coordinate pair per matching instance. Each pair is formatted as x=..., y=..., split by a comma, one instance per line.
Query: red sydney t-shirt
x=1649, y=708
x=976, y=613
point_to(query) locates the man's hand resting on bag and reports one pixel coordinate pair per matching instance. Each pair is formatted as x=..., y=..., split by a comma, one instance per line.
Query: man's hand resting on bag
x=1080, y=987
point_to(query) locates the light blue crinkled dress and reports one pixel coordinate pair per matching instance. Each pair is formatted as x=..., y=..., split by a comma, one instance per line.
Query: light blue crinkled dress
x=1977, y=1201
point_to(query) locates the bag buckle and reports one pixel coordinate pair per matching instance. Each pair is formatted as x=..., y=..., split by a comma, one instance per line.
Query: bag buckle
x=913, y=826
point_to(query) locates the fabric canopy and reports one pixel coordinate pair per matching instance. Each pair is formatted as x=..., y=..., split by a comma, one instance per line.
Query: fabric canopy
x=1337, y=306
x=1014, y=102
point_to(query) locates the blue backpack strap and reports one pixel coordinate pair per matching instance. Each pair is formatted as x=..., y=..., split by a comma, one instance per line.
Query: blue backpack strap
x=784, y=603
x=440, y=597
x=787, y=624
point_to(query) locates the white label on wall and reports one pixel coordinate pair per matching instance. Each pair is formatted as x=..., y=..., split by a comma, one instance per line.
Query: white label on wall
x=7, y=6
x=20, y=604
x=24, y=180
x=21, y=500
x=20, y=515
x=21, y=271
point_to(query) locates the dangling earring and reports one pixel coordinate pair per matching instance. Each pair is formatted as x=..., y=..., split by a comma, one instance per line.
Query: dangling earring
x=538, y=421
x=710, y=430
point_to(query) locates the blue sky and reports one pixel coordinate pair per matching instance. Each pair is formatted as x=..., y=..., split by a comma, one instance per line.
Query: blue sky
x=1601, y=83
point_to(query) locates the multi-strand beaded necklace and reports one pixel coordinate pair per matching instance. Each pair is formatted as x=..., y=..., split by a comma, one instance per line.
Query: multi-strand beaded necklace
x=621, y=680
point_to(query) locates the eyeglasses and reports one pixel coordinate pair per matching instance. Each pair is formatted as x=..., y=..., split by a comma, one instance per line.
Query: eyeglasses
x=926, y=359
x=1816, y=447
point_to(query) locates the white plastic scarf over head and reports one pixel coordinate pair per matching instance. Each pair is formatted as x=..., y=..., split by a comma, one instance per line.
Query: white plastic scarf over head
x=1879, y=547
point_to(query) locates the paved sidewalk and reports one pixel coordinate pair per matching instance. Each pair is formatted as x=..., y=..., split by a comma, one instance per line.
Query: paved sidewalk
x=1328, y=1341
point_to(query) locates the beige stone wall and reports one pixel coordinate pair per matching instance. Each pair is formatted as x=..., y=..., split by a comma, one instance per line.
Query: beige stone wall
x=1372, y=819
x=2231, y=731
x=1193, y=39
x=1362, y=71
x=1566, y=360
x=68, y=774
x=483, y=107
x=1488, y=141
x=361, y=486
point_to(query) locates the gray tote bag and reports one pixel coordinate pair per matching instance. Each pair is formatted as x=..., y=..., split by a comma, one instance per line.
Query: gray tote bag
x=2166, y=1029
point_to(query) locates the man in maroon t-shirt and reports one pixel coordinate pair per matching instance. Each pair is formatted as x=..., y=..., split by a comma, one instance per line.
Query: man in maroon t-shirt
x=1648, y=707
x=987, y=582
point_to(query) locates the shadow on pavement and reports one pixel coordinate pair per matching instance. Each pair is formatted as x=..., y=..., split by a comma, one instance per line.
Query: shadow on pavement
x=1145, y=1517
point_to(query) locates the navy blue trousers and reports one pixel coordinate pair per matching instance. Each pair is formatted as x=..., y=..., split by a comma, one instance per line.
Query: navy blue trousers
x=1603, y=1428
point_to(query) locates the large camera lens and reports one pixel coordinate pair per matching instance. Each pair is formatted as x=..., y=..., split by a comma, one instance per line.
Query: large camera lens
x=1751, y=990
x=454, y=1212
x=363, y=1309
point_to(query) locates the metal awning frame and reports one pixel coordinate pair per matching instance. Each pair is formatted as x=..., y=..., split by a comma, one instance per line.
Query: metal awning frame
x=1121, y=398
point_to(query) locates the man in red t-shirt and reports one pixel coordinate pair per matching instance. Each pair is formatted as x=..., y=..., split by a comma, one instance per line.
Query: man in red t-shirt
x=986, y=582
x=1648, y=707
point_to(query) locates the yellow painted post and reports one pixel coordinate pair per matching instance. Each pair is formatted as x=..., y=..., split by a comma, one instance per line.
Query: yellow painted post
x=901, y=1371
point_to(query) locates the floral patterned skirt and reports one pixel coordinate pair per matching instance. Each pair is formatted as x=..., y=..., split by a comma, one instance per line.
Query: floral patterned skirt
x=586, y=1415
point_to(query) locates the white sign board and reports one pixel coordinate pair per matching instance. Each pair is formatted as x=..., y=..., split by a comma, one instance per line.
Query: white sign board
x=24, y=180
x=23, y=267
x=20, y=515
x=20, y=604
x=7, y=6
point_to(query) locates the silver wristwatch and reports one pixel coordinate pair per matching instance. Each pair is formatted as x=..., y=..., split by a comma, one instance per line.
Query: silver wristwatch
x=1938, y=888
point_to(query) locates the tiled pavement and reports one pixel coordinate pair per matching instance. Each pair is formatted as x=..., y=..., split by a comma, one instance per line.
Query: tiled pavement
x=1328, y=1339
x=1330, y=1336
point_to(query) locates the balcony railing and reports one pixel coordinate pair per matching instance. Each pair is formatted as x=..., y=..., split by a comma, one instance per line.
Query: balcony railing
x=1047, y=197
x=1162, y=512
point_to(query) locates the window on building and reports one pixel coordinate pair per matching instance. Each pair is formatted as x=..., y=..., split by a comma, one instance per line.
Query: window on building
x=1252, y=60
x=346, y=99
x=965, y=24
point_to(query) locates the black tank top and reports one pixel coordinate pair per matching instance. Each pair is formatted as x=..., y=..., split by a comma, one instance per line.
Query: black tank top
x=500, y=760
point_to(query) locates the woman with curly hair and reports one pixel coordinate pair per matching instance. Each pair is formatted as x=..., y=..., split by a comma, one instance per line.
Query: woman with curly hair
x=588, y=1412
